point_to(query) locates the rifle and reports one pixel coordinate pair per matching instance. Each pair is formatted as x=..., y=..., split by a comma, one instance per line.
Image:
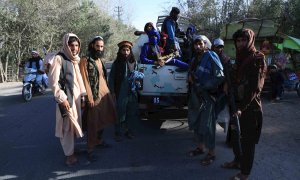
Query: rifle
x=167, y=58
x=234, y=119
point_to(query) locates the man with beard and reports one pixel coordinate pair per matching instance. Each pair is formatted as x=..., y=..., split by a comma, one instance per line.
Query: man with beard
x=100, y=111
x=170, y=27
x=205, y=75
x=249, y=80
x=36, y=62
x=126, y=98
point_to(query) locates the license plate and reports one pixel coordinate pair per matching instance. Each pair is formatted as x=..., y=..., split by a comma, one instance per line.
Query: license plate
x=156, y=100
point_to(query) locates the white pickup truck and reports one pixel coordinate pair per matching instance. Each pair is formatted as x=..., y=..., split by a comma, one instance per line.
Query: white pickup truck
x=163, y=87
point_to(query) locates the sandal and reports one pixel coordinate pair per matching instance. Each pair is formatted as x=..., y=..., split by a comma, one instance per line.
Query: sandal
x=103, y=145
x=129, y=135
x=196, y=152
x=208, y=159
x=231, y=165
x=91, y=157
x=71, y=160
x=118, y=137
x=240, y=176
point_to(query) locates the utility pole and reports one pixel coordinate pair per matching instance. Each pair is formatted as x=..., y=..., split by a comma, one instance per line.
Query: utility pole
x=119, y=11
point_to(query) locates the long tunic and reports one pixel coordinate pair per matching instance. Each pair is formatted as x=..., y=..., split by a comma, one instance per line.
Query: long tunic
x=124, y=96
x=104, y=111
x=249, y=101
x=251, y=71
x=74, y=118
x=201, y=108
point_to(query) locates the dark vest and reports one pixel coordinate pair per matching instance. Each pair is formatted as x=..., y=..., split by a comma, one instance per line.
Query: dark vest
x=120, y=66
x=37, y=62
x=66, y=77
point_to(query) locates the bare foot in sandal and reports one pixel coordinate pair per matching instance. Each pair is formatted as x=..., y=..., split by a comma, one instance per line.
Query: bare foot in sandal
x=240, y=176
x=196, y=152
x=71, y=160
x=231, y=165
x=209, y=158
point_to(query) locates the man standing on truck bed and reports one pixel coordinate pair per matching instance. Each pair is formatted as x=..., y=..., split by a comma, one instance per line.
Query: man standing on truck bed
x=170, y=27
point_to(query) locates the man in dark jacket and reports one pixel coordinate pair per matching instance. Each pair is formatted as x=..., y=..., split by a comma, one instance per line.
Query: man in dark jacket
x=249, y=80
x=170, y=27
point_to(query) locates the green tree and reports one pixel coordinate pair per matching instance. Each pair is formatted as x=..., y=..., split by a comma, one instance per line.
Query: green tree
x=291, y=18
x=34, y=24
x=210, y=16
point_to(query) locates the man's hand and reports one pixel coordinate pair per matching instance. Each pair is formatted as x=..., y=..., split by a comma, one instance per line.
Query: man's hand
x=174, y=47
x=161, y=62
x=190, y=79
x=91, y=104
x=238, y=113
x=65, y=105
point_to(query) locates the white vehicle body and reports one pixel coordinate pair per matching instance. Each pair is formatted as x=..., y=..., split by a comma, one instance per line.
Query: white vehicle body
x=162, y=88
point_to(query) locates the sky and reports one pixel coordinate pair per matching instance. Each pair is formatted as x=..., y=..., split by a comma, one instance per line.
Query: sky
x=149, y=10
x=138, y=12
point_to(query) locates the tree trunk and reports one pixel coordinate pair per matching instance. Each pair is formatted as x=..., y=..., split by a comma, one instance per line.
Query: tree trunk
x=2, y=73
x=18, y=58
x=6, y=65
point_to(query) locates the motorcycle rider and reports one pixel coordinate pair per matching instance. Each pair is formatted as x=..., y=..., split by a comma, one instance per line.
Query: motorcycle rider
x=36, y=63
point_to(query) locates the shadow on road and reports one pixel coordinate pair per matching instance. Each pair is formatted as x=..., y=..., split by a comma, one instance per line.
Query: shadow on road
x=15, y=99
x=10, y=100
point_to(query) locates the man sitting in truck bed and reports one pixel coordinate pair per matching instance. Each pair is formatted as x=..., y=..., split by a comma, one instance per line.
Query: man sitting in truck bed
x=151, y=54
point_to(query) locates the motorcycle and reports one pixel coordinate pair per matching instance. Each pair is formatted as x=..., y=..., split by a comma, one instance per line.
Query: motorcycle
x=30, y=86
x=289, y=79
x=291, y=82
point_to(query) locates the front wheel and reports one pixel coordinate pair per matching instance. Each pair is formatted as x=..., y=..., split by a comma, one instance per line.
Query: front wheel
x=298, y=88
x=27, y=92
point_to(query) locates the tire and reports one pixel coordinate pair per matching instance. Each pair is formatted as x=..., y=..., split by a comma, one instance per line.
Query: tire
x=27, y=93
x=298, y=88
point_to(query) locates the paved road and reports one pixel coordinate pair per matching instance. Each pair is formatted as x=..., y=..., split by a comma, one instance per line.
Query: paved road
x=29, y=150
